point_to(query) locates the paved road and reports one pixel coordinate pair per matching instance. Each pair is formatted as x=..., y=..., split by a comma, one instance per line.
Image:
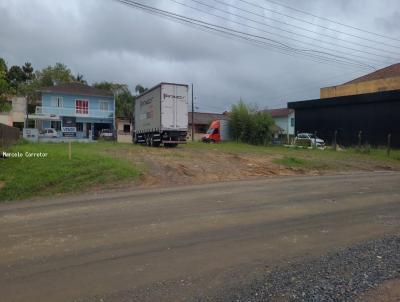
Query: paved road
x=185, y=243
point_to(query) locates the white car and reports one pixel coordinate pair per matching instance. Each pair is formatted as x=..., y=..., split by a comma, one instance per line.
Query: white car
x=49, y=133
x=309, y=137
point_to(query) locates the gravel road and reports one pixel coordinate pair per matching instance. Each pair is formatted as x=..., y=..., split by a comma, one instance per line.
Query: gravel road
x=205, y=242
x=340, y=276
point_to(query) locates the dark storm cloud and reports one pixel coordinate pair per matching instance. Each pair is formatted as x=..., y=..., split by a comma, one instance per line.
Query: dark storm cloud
x=105, y=40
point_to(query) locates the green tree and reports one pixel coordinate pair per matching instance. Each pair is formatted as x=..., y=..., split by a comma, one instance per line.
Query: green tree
x=124, y=100
x=125, y=104
x=250, y=125
x=16, y=77
x=5, y=106
x=139, y=89
x=263, y=125
x=3, y=66
x=115, y=88
x=49, y=76
x=28, y=71
x=54, y=75
x=79, y=78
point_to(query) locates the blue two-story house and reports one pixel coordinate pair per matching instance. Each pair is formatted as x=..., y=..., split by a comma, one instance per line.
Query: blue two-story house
x=76, y=110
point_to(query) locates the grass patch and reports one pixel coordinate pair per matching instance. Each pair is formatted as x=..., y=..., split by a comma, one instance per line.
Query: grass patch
x=103, y=164
x=90, y=166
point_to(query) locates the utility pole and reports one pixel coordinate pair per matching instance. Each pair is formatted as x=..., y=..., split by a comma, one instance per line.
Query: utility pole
x=192, y=115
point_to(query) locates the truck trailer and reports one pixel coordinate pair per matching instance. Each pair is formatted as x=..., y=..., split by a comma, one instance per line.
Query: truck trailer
x=161, y=115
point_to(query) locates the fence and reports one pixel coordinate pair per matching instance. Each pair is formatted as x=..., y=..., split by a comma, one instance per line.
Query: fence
x=8, y=135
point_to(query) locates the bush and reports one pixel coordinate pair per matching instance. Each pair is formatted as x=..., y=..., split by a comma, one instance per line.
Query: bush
x=249, y=125
x=303, y=143
x=365, y=149
x=5, y=106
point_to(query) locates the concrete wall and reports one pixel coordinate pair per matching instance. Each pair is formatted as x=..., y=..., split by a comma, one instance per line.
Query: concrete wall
x=18, y=113
x=361, y=88
x=5, y=119
x=124, y=137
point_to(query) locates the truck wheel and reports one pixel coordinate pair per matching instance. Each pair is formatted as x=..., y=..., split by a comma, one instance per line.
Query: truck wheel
x=153, y=143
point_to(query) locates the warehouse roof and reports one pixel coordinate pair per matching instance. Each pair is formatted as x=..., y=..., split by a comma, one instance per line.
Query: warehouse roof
x=387, y=72
x=382, y=96
x=77, y=88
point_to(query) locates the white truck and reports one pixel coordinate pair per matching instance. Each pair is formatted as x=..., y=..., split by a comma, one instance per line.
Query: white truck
x=161, y=115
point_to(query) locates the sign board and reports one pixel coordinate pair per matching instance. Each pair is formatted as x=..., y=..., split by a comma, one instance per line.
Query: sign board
x=68, y=126
x=31, y=134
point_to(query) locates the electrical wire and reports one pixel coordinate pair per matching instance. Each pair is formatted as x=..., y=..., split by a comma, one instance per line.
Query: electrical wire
x=316, y=24
x=282, y=36
x=331, y=20
x=295, y=26
x=280, y=47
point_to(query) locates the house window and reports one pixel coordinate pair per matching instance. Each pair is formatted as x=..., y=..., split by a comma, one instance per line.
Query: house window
x=79, y=127
x=82, y=106
x=103, y=105
x=56, y=101
x=127, y=128
x=292, y=122
x=56, y=125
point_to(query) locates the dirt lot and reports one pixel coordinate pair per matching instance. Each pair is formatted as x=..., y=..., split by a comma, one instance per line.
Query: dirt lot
x=206, y=163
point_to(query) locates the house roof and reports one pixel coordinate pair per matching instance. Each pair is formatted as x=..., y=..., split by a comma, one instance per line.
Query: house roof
x=205, y=118
x=280, y=112
x=387, y=72
x=77, y=88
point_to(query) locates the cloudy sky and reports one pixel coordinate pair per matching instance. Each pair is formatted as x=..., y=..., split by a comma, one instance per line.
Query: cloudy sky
x=108, y=40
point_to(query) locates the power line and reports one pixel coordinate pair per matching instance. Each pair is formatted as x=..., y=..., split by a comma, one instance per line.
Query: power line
x=316, y=24
x=295, y=26
x=279, y=35
x=332, y=21
x=278, y=46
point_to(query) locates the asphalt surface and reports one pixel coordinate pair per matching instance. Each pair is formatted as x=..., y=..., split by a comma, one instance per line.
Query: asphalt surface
x=194, y=243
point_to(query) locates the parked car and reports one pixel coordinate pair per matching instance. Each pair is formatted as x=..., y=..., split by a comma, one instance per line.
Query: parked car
x=106, y=134
x=49, y=133
x=309, y=140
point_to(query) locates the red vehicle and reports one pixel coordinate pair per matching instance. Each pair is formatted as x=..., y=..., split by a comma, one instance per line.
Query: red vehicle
x=218, y=132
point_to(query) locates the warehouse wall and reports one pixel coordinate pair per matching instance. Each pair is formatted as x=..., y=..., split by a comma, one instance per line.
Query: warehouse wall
x=376, y=120
x=361, y=88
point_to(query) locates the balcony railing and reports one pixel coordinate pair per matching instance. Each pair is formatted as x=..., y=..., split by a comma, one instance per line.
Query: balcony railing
x=62, y=111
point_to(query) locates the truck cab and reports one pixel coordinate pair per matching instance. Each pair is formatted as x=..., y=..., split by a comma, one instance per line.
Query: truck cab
x=213, y=134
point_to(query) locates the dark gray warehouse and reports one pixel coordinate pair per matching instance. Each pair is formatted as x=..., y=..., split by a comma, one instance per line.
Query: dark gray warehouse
x=375, y=114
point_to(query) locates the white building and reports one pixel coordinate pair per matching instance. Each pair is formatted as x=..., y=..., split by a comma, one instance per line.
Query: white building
x=285, y=119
